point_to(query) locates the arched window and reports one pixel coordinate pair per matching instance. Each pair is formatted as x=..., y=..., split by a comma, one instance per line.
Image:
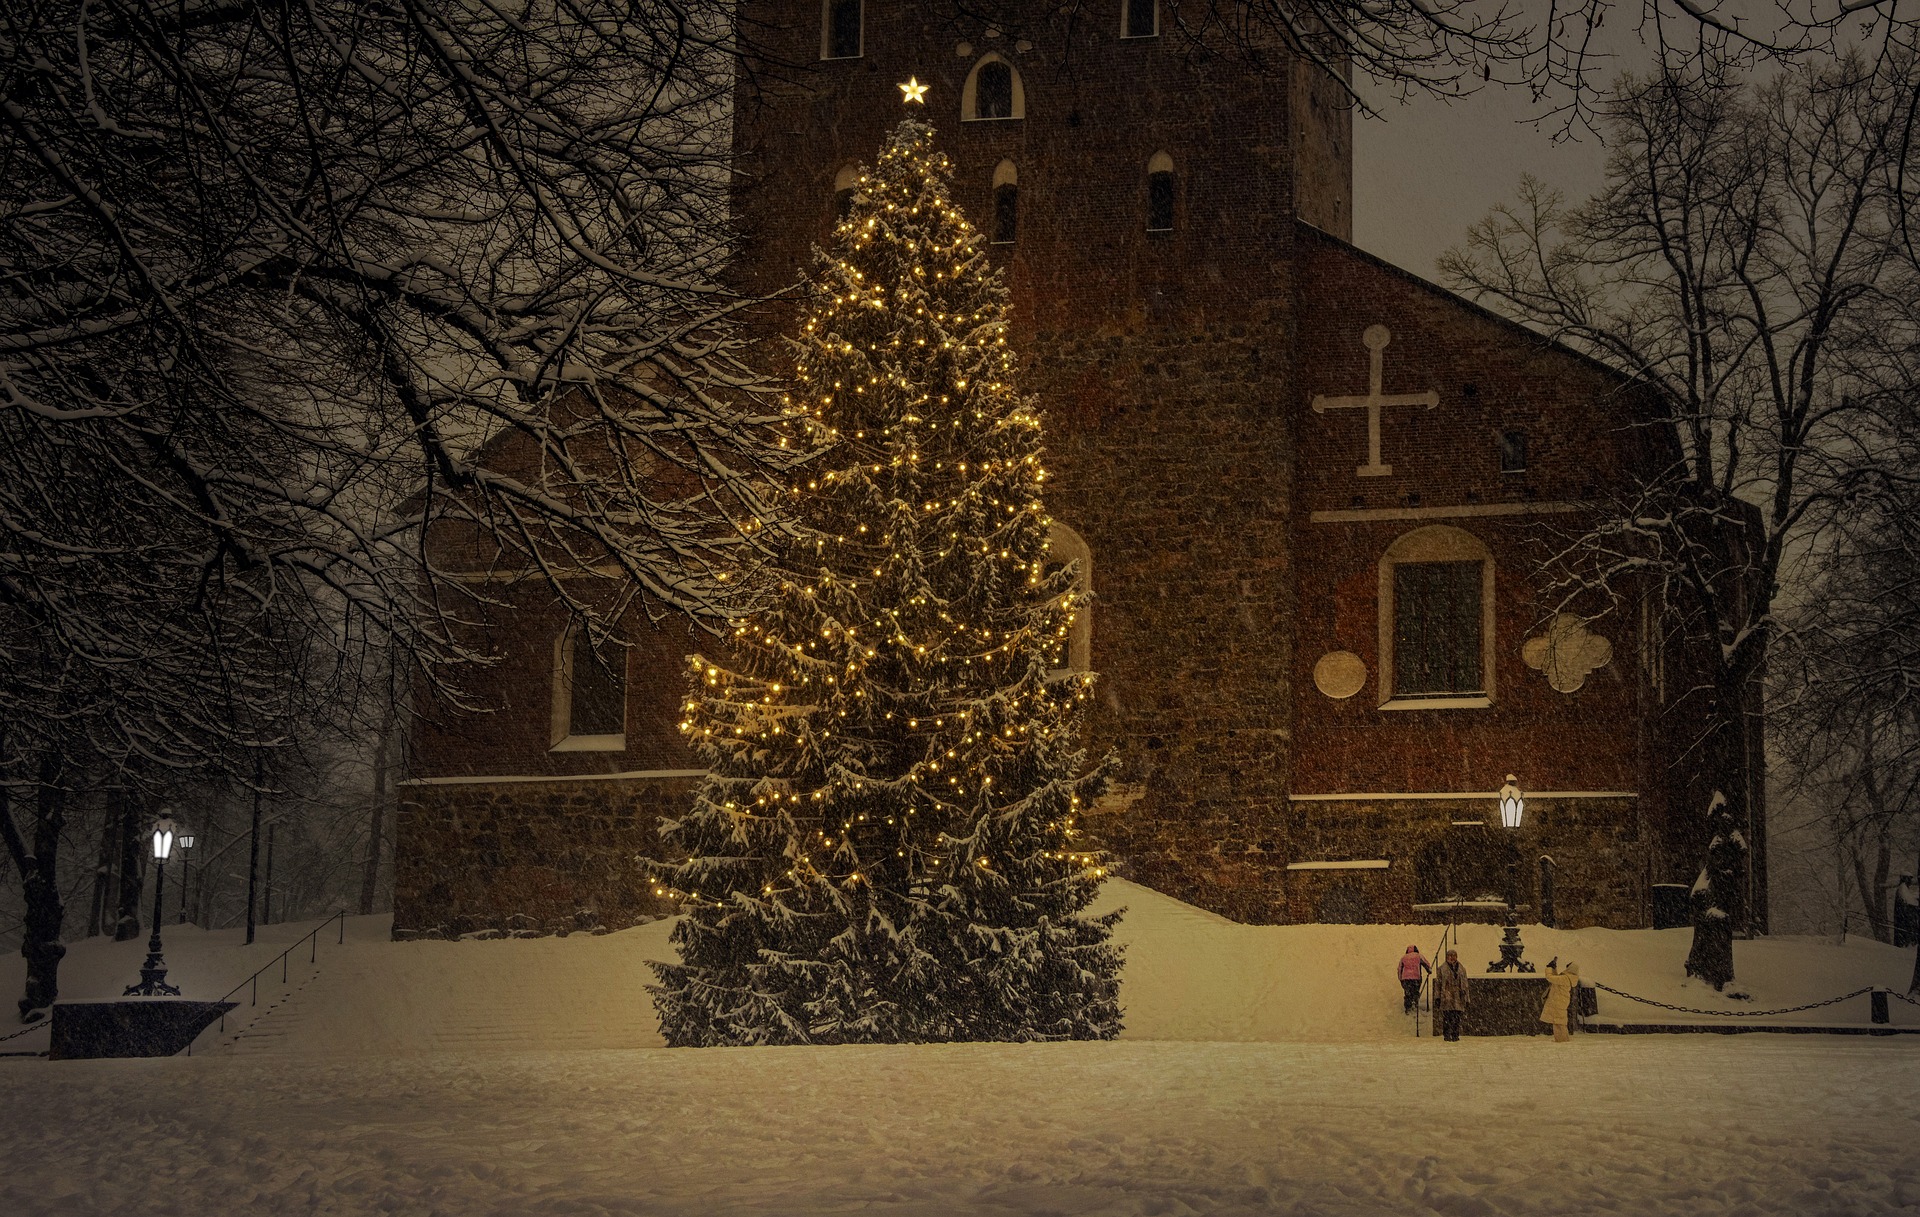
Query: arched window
x=1436, y=621
x=1065, y=547
x=844, y=183
x=1160, y=193
x=1139, y=18
x=993, y=90
x=840, y=29
x=589, y=693
x=1006, y=202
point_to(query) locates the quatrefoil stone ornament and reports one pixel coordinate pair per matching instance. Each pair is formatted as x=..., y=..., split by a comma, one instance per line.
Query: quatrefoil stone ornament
x=1567, y=653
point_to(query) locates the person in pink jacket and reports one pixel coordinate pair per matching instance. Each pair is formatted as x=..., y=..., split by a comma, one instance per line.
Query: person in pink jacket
x=1411, y=965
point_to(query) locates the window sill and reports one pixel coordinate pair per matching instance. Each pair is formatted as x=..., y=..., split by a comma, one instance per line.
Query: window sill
x=842, y=58
x=591, y=743
x=1004, y=118
x=1478, y=702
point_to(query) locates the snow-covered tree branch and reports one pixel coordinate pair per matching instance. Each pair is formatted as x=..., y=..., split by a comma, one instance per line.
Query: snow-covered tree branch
x=282, y=285
x=1449, y=48
x=1738, y=269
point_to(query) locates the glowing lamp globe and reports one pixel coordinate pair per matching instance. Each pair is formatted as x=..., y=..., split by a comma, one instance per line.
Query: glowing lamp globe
x=1512, y=804
x=163, y=838
x=185, y=841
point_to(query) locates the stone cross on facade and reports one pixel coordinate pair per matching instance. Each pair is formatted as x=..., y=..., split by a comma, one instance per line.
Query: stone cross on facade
x=1376, y=339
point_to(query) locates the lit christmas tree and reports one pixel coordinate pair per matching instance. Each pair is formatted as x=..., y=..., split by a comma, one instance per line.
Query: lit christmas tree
x=884, y=849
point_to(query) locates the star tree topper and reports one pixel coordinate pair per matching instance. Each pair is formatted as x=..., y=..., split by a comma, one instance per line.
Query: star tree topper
x=915, y=91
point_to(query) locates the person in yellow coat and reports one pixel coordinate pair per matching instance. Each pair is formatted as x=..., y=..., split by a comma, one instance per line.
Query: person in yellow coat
x=1560, y=983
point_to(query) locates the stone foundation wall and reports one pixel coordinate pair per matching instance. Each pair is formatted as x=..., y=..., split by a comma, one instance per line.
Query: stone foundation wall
x=1601, y=852
x=1505, y=1005
x=1234, y=860
x=529, y=858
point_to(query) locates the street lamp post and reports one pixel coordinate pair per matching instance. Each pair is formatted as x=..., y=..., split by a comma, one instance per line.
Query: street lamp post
x=1513, y=807
x=185, y=844
x=153, y=973
x=1547, y=867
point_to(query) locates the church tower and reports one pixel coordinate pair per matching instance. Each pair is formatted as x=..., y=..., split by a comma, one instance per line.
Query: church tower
x=1144, y=207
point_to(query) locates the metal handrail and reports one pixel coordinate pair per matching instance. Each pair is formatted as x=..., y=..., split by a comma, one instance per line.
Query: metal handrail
x=1431, y=979
x=311, y=938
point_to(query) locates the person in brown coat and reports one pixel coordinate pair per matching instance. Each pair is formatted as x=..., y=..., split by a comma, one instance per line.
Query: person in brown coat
x=1560, y=985
x=1450, y=996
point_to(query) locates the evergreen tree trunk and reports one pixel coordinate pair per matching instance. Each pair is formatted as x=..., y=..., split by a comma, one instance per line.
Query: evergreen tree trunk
x=1718, y=903
x=1716, y=899
x=126, y=925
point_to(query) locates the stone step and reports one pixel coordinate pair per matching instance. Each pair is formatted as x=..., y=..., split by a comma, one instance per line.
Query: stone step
x=277, y=1024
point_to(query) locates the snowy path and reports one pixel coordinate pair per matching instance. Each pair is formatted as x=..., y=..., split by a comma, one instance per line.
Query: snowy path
x=1632, y=1125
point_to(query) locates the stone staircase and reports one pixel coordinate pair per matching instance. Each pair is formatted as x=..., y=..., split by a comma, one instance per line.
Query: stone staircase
x=279, y=1024
x=377, y=998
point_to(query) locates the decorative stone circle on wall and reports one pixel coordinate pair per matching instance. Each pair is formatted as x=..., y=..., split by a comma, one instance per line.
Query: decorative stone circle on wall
x=1567, y=653
x=1340, y=674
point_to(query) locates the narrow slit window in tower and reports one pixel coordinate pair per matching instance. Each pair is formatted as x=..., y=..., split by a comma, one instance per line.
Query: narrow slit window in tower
x=1160, y=193
x=841, y=37
x=1006, y=203
x=1139, y=18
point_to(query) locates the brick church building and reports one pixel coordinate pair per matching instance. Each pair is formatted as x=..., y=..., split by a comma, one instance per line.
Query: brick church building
x=1309, y=490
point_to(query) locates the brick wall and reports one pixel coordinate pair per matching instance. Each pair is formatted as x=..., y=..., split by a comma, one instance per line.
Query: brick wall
x=528, y=857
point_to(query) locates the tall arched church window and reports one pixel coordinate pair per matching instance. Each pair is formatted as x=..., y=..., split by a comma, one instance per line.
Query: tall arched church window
x=1006, y=202
x=993, y=90
x=1436, y=621
x=589, y=693
x=1066, y=547
x=840, y=29
x=1160, y=193
x=844, y=184
x=1139, y=18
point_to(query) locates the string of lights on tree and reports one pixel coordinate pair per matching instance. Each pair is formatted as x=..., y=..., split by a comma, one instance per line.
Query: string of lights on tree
x=886, y=846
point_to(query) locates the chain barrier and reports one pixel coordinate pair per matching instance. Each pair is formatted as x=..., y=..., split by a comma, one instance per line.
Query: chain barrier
x=1903, y=997
x=1648, y=1001
x=41, y=1025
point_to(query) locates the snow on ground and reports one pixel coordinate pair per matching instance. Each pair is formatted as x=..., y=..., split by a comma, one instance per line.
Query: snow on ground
x=1697, y=1125
x=1190, y=975
x=1264, y=1069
